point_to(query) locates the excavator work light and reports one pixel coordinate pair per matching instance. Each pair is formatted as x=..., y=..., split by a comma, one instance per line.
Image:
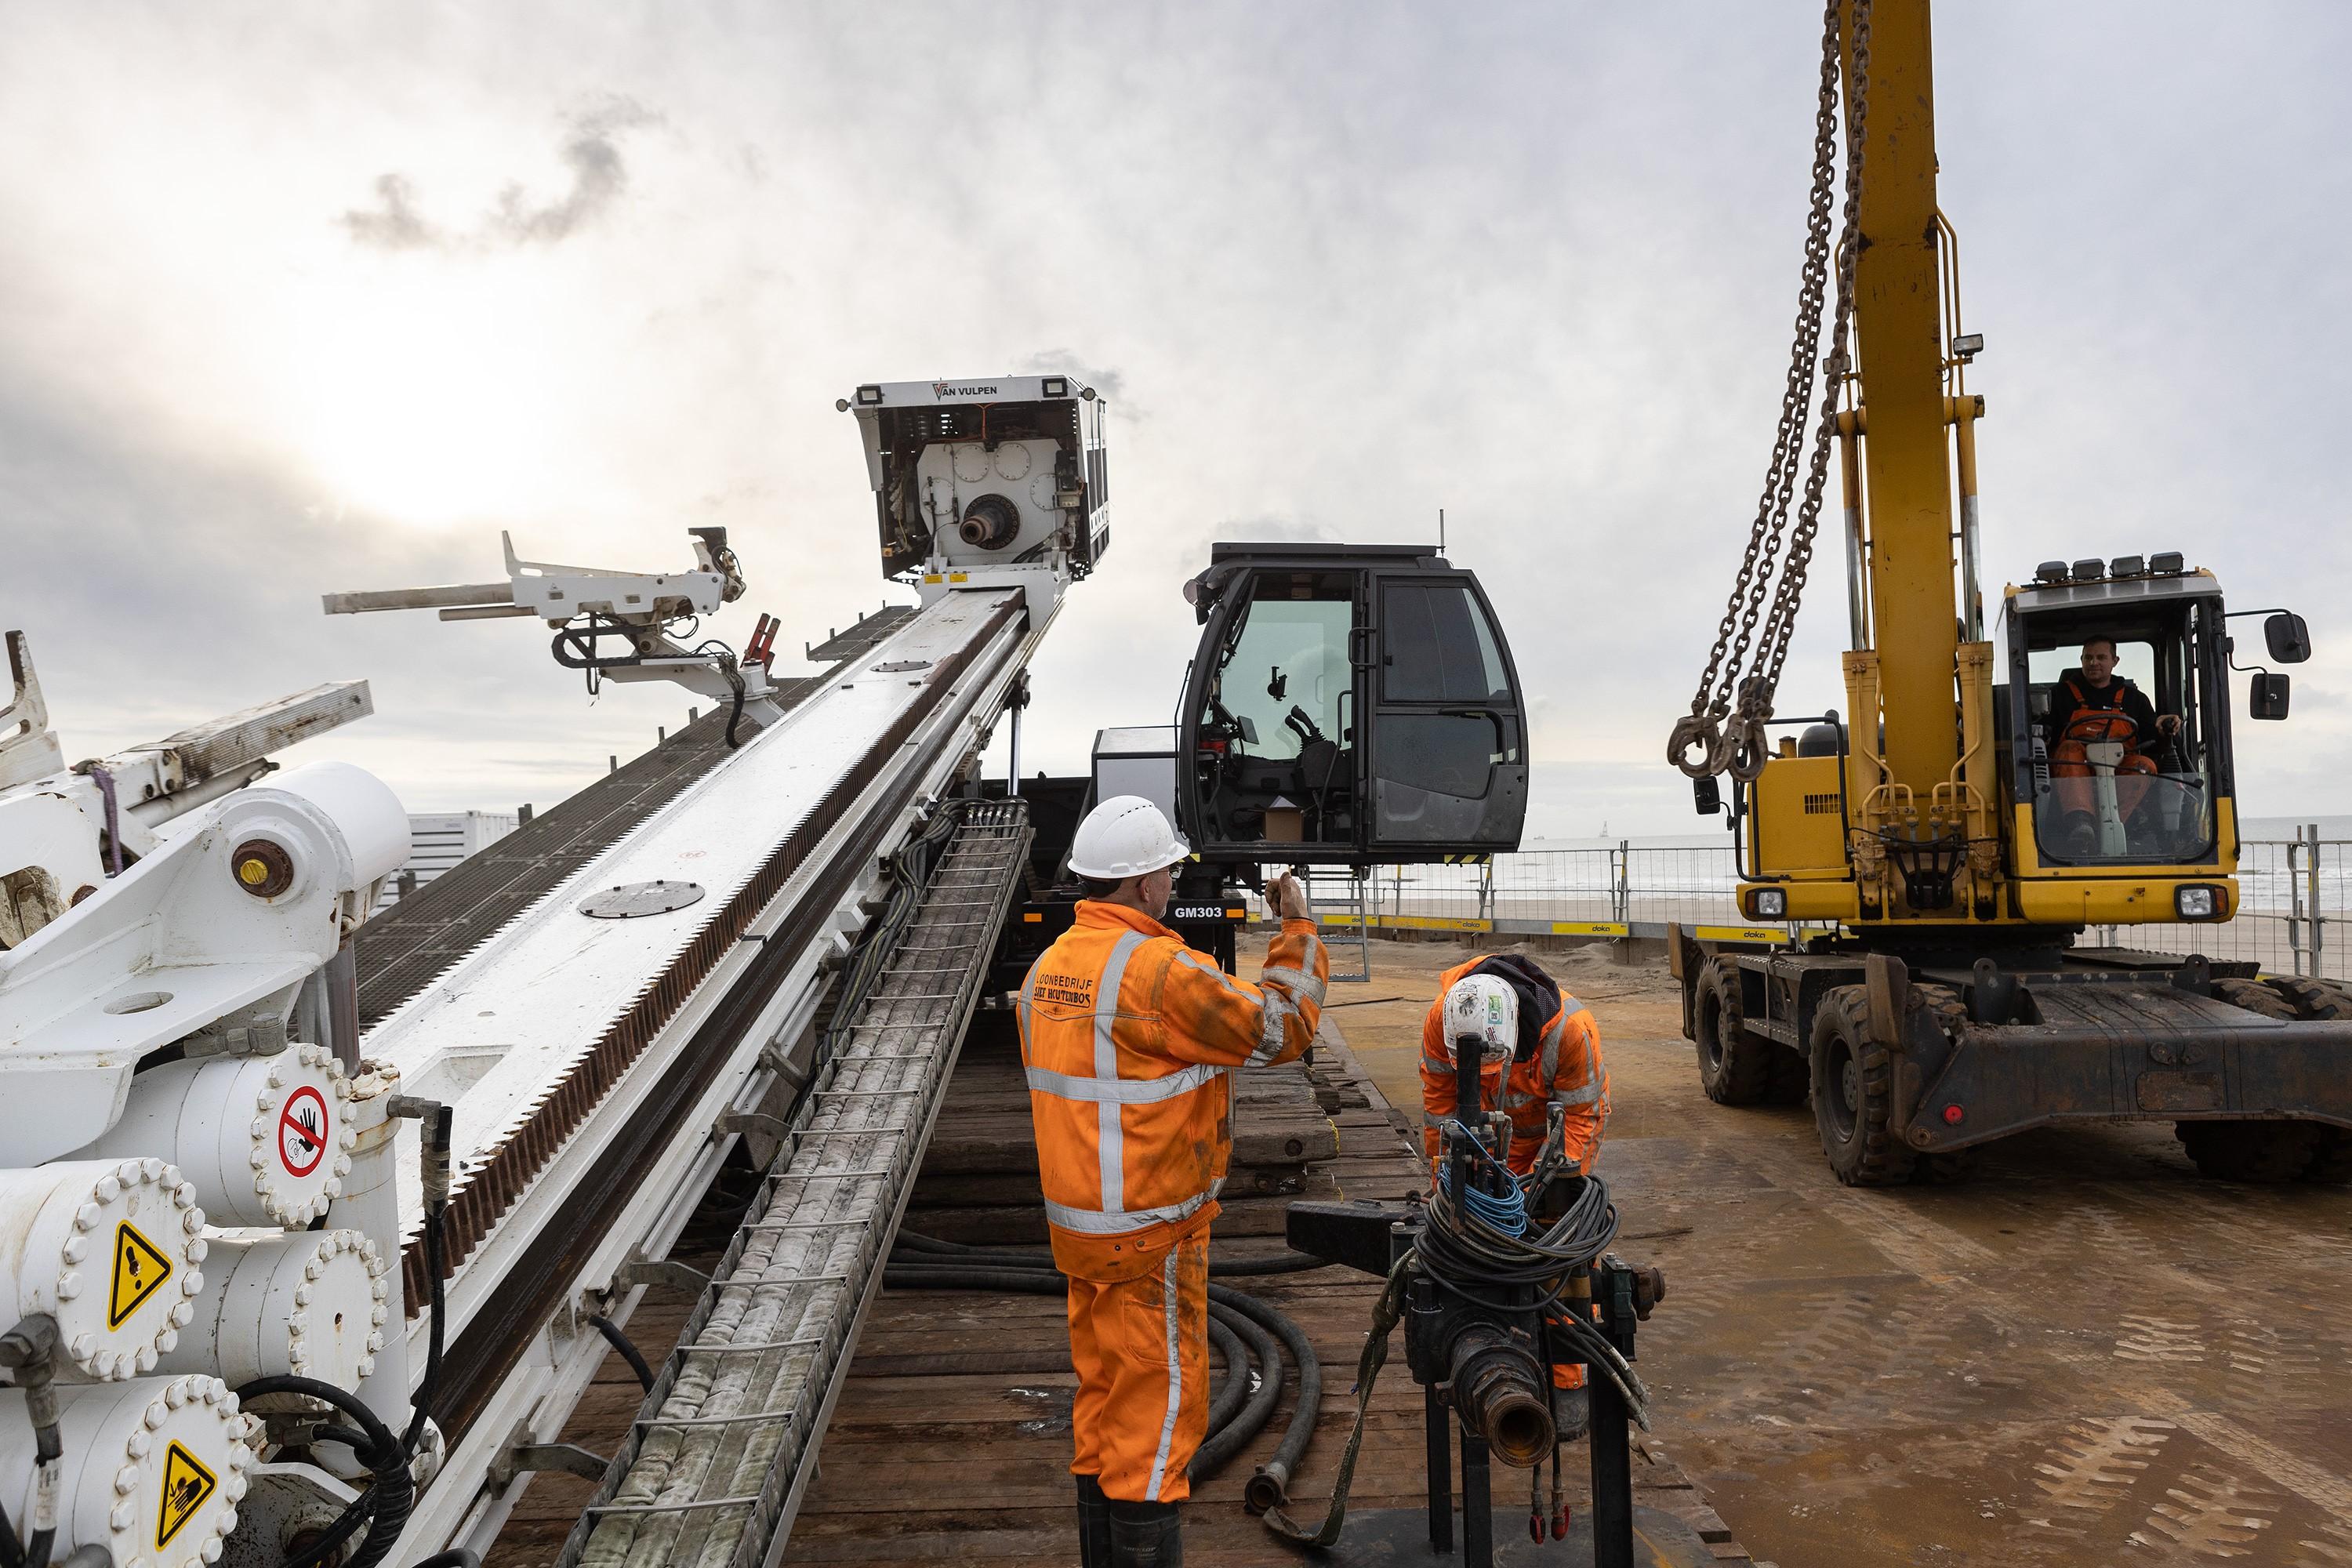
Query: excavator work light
x=1056, y=387
x=2199, y=901
x=1968, y=345
x=2050, y=572
x=1772, y=904
x=2128, y=565
x=2166, y=563
x=870, y=397
x=2090, y=569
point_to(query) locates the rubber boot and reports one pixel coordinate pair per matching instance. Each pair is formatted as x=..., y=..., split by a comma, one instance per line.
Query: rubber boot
x=1094, y=1524
x=1146, y=1535
x=1571, y=1412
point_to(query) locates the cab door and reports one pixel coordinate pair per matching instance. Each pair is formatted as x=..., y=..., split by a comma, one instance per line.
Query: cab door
x=1445, y=760
x=1268, y=762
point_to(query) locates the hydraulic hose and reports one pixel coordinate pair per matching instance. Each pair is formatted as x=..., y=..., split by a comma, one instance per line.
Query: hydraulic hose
x=1270, y=1486
x=1219, y=1268
x=30, y=1350
x=383, y=1506
x=627, y=1347
x=930, y=1264
x=1233, y=1387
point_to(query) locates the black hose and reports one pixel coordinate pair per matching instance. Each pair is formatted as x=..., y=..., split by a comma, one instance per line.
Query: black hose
x=455, y=1557
x=1226, y=1395
x=629, y=1352
x=385, y=1503
x=1270, y=1486
x=1223, y=1443
x=1263, y=1327
x=430, y=1386
x=1219, y=1268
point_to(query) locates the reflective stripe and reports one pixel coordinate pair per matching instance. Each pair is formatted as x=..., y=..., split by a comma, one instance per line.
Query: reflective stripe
x=1027, y=981
x=1089, y=1222
x=1270, y=1039
x=1110, y=1139
x=1175, y=1378
x=1585, y=1096
x=1126, y=1090
x=1193, y=960
x=1301, y=983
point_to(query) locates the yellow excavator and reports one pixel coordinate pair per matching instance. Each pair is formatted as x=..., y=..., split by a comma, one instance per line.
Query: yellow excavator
x=1990, y=792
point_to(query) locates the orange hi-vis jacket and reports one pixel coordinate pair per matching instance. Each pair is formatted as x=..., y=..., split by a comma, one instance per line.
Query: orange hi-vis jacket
x=1565, y=1070
x=1126, y=1034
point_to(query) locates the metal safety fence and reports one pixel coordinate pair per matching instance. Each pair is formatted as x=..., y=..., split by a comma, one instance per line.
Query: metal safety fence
x=2295, y=899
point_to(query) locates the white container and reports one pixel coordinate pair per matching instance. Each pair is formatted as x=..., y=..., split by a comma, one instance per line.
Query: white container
x=109, y=1249
x=267, y=1140
x=312, y=1303
x=152, y=1469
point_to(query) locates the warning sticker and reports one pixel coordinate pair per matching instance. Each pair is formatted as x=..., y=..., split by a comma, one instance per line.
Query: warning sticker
x=186, y=1485
x=139, y=1272
x=302, y=1132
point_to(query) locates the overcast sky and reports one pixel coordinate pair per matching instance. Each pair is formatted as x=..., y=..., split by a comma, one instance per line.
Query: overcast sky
x=301, y=298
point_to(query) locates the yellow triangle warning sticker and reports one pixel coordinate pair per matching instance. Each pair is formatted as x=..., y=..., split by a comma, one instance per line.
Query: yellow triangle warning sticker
x=139, y=1272
x=186, y=1485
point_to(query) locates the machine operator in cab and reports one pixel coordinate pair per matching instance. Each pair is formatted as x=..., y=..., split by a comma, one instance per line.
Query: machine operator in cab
x=2094, y=705
x=1126, y=1037
x=1542, y=1048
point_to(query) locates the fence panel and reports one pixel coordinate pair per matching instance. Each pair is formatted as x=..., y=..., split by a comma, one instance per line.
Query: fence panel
x=2293, y=896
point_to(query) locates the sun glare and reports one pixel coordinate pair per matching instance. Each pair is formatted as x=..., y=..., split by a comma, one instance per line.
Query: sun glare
x=433, y=393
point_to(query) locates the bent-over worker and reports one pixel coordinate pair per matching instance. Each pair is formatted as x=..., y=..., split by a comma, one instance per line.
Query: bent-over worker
x=1544, y=1051
x=1127, y=1036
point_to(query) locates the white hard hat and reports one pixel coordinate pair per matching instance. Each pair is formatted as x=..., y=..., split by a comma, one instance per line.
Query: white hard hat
x=1125, y=836
x=1482, y=1005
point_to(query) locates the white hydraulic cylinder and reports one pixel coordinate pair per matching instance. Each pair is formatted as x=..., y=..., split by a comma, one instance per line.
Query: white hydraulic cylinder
x=152, y=1469
x=371, y=819
x=312, y=1304
x=267, y=1140
x=110, y=1250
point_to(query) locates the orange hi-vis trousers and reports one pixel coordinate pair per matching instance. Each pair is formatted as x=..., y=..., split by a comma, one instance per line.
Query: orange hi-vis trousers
x=1141, y=1350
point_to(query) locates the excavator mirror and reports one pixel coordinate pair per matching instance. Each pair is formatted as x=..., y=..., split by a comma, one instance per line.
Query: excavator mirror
x=1709, y=795
x=2290, y=643
x=2266, y=695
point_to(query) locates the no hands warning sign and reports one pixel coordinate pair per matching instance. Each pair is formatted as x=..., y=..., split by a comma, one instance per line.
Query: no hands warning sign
x=302, y=1132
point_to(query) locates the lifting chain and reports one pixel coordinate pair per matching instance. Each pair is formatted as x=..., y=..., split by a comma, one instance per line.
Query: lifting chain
x=1738, y=748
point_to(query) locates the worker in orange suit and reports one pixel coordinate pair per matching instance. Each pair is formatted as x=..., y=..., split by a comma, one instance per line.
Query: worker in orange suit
x=1543, y=1050
x=1127, y=1036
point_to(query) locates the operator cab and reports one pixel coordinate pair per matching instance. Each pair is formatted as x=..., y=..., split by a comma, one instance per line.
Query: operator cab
x=2110, y=786
x=1348, y=703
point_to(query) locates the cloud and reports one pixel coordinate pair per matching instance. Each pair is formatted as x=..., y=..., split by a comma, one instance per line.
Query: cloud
x=1108, y=383
x=591, y=148
x=394, y=224
x=598, y=177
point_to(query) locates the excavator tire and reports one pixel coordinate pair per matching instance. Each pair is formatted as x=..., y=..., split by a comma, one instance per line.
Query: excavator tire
x=2261, y=1152
x=2327, y=1001
x=1735, y=1067
x=1954, y=1166
x=1853, y=1082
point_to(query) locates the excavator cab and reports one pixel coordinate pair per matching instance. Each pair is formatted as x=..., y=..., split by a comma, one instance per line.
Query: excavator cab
x=1349, y=704
x=2106, y=787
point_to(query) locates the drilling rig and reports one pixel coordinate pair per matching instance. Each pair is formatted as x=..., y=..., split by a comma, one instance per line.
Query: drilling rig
x=1946, y=845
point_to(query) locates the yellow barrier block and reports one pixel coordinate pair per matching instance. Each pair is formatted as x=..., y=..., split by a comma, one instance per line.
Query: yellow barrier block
x=1431, y=922
x=1589, y=928
x=1740, y=933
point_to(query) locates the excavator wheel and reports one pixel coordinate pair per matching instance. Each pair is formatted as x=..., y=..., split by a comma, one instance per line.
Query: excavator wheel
x=1735, y=1067
x=2262, y=1153
x=2328, y=1001
x=1853, y=1080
